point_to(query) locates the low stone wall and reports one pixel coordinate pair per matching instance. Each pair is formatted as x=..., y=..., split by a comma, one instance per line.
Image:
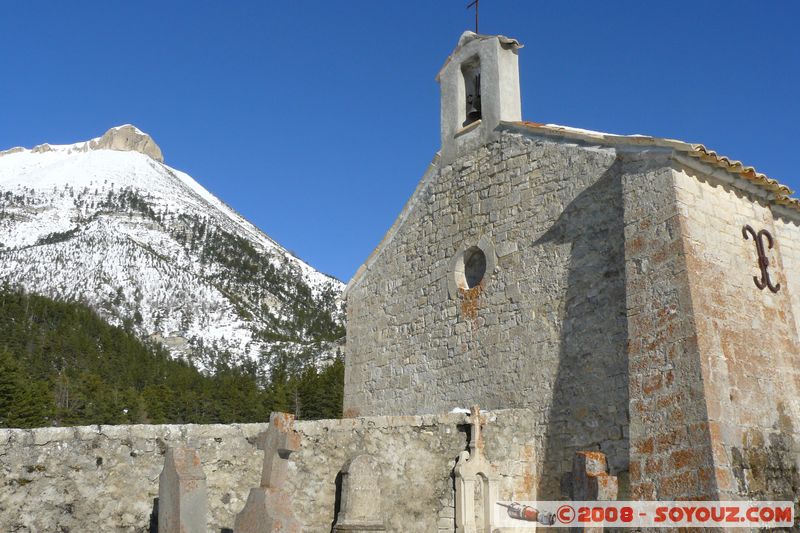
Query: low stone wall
x=106, y=478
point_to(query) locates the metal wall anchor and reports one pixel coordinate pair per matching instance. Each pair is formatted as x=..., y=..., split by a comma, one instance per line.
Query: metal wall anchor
x=763, y=260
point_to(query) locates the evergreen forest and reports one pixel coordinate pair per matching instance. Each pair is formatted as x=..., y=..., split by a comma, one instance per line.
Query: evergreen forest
x=61, y=364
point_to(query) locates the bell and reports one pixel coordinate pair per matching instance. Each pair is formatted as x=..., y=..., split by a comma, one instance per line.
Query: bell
x=474, y=110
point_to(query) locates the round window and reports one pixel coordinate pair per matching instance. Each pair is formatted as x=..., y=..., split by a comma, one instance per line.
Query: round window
x=472, y=268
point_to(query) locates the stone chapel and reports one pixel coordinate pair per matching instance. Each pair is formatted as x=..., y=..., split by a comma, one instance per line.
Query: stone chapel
x=640, y=296
x=624, y=309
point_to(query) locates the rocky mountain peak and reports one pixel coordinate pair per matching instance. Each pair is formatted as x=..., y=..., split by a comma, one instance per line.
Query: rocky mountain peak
x=128, y=138
x=125, y=138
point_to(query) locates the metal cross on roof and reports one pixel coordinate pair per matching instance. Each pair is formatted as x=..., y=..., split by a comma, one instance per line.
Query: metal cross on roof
x=475, y=3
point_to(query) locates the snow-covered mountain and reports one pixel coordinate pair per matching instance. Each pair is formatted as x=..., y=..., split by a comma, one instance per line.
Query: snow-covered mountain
x=107, y=222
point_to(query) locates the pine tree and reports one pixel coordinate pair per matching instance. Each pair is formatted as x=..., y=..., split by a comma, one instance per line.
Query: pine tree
x=33, y=406
x=23, y=403
x=9, y=385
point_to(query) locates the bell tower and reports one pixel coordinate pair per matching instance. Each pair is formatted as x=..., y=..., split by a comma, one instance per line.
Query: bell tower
x=479, y=89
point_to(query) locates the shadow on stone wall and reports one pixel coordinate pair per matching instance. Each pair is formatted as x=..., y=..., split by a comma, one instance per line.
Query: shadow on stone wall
x=154, y=517
x=337, y=502
x=589, y=409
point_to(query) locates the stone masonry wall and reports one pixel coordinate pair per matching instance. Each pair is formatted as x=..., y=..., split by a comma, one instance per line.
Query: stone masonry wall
x=106, y=478
x=713, y=360
x=546, y=330
x=787, y=233
x=747, y=338
x=670, y=445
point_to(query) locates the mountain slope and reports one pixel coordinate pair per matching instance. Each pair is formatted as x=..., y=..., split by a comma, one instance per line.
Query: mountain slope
x=106, y=222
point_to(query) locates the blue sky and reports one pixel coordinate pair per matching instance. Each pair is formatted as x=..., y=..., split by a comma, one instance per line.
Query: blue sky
x=316, y=119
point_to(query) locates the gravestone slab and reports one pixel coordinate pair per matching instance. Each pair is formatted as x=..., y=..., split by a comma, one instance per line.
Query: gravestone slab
x=269, y=507
x=182, y=495
x=361, y=497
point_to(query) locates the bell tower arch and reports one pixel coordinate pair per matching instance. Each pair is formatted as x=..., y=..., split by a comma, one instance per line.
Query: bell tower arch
x=479, y=88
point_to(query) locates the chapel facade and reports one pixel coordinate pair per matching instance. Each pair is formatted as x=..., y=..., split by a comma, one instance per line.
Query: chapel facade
x=640, y=296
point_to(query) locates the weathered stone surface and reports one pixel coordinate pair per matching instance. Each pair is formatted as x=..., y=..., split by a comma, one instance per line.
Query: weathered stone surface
x=281, y=440
x=267, y=510
x=621, y=311
x=106, y=478
x=361, y=496
x=545, y=330
x=182, y=495
x=59, y=484
x=713, y=360
x=747, y=343
x=664, y=371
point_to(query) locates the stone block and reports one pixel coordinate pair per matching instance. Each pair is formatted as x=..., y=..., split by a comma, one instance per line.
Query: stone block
x=42, y=436
x=591, y=480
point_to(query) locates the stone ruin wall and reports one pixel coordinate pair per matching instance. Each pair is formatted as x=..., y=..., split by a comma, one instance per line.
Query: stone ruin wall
x=545, y=331
x=106, y=478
